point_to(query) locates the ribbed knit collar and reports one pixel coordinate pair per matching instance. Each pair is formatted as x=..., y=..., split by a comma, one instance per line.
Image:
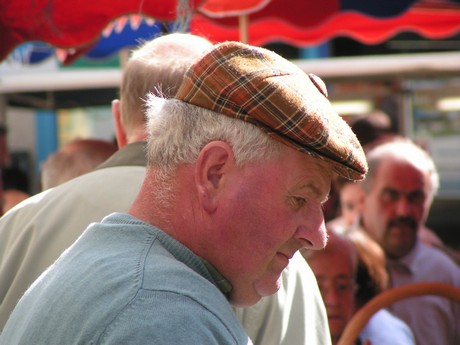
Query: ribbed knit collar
x=179, y=251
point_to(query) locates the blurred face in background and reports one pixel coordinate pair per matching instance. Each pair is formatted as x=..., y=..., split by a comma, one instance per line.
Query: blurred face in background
x=351, y=202
x=335, y=275
x=396, y=206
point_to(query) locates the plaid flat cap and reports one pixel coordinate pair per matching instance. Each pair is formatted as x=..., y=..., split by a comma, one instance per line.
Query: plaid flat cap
x=258, y=86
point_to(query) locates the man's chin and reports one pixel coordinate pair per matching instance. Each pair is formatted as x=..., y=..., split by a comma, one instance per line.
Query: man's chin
x=402, y=231
x=268, y=287
x=397, y=249
x=401, y=235
x=337, y=325
x=252, y=296
x=244, y=301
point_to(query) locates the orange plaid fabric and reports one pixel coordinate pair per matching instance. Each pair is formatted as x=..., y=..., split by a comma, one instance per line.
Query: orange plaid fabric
x=260, y=87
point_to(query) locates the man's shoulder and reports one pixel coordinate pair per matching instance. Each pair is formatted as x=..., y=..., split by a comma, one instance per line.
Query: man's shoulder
x=73, y=205
x=436, y=265
x=101, y=179
x=432, y=253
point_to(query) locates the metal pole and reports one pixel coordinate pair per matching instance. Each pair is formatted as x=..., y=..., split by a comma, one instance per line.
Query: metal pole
x=3, y=104
x=407, y=110
x=243, y=21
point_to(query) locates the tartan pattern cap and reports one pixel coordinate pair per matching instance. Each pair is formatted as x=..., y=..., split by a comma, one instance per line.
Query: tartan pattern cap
x=258, y=86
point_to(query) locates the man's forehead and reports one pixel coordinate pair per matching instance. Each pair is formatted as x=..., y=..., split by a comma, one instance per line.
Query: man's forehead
x=398, y=172
x=334, y=277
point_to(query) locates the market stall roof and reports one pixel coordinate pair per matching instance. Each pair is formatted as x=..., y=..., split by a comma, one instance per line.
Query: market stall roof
x=75, y=23
x=291, y=21
x=347, y=68
x=311, y=22
x=76, y=26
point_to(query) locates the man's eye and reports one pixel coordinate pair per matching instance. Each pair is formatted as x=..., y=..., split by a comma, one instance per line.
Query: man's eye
x=344, y=287
x=389, y=195
x=417, y=197
x=298, y=201
x=349, y=206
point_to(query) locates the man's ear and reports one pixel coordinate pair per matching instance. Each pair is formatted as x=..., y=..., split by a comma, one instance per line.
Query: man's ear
x=214, y=162
x=119, y=129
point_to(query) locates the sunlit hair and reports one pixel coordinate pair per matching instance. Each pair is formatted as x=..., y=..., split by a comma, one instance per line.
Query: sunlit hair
x=407, y=151
x=157, y=66
x=178, y=131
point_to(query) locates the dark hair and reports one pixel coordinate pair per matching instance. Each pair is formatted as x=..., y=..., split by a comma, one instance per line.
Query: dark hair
x=14, y=178
x=370, y=128
x=367, y=287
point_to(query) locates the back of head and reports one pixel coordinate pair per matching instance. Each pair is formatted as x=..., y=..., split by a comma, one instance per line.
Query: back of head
x=74, y=159
x=15, y=178
x=15, y=187
x=371, y=127
x=158, y=67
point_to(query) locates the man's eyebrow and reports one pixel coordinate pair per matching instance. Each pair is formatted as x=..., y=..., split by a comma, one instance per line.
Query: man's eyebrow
x=343, y=276
x=315, y=191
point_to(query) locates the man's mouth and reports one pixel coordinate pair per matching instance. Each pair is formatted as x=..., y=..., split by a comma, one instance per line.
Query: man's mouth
x=335, y=317
x=405, y=222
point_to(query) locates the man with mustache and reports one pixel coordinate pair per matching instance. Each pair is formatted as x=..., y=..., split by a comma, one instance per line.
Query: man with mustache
x=400, y=187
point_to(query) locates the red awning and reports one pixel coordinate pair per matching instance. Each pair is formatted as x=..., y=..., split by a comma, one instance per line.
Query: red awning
x=303, y=23
x=78, y=23
x=428, y=22
x=71, y=23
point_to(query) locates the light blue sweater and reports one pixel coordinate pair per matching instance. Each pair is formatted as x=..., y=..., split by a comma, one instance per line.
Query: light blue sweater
x=124, y=282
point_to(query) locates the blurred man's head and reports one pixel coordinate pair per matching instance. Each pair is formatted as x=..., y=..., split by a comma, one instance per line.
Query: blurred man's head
x=157, y=66
x=76, y=158
x=400, y=188
x=351, y=198
x=335, y=270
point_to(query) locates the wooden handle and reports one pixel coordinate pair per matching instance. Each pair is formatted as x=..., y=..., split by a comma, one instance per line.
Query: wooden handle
x=388, y=297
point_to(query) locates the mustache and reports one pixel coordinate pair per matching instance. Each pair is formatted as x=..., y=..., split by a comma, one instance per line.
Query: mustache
x=404, y=221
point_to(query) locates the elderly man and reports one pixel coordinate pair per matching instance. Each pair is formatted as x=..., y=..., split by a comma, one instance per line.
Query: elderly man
x=33, y=236
x=399, y=190
x=239, y=165
x=350, y=271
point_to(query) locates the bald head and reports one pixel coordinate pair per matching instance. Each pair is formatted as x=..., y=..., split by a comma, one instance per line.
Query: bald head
x=74, y=159
x=335, y=269
x=338, y=247
x=158, y=66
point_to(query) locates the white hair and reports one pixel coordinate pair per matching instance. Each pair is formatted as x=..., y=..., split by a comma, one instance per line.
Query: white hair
x=178, y=131
x=405, y=150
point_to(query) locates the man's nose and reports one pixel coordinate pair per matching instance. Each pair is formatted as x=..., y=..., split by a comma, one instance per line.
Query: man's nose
x=331, y=297
x=403, y=207
x=312, y=233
